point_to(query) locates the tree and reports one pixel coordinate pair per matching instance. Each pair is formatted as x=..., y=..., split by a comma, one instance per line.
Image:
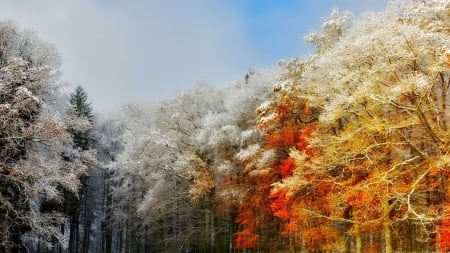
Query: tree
x=33, y=135
x=81, y=109
x=332, y=30
x=180, y=167
x=108, y=145
x=80, y=121
x=381, y=93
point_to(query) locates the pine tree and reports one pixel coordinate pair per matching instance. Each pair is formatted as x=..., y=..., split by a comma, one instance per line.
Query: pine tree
x=81, y=108
x=76, y=206
x=79, y=102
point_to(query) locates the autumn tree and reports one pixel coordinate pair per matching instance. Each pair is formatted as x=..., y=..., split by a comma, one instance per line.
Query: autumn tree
x=287, y=121
x=381, y=140
x=221, y=135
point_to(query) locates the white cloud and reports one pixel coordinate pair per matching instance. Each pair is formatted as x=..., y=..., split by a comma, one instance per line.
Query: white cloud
x=122, y=51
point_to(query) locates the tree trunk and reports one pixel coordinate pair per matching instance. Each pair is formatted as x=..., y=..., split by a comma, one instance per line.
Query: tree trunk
x=73, y=234
x=387, y=225
x=358, y=238
x=444, y=87
x=17, y=244
x=87, y=235
x=107, y=232
x=212, y=233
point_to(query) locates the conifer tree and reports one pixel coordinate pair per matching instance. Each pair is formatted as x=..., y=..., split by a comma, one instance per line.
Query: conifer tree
x=76, y=206
x=81, y=108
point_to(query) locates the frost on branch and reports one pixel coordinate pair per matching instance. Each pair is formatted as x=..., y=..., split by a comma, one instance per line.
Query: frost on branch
x=33, y=139
x=332, y=29
x=248, y=153
x=78, y=123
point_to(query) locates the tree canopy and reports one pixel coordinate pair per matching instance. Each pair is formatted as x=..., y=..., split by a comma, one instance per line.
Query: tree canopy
x=346, y=150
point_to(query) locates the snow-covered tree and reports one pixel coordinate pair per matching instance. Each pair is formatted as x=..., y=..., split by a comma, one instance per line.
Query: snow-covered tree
x=82, y=115
x=33, y=137
x=379, y=96
x=333, y=28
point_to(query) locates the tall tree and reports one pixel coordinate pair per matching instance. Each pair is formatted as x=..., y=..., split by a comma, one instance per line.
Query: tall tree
x=81, y=108
x=381, y=139
x=33, y=135
x=81, y=207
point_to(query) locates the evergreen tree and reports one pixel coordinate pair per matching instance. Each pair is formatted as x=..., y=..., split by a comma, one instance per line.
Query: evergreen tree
x=76, y=205
x=80, y=104
x=81, y=108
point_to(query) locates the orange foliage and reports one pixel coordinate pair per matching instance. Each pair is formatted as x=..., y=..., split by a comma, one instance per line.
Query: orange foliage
x=447, y=62
x=359, y=197
x=253, y=212
x=246, y=239
x=322, y=189
x=286, y=167
x=303, y=137
x=443, y=240
x=263, y=204
x=282, y=111
x=272, y=138
x=282, y=137
x=290, y=136
x=291, y=226
x=279, y=203
x=320, y=238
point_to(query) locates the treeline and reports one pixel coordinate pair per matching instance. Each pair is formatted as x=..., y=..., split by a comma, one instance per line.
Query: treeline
x=344, y=151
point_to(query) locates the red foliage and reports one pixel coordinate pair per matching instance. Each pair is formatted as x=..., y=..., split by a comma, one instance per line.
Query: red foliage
x=443, y=240
x=282, y=137
x=302, y=143
x=272, y=138
x=363, y=199
x=263, y=204
x=253, y=212
x=288, y=137
x=282, y=111
x=279, y=203
x=322, y=189
x=357, y=199
x=246, y=239
x=286, y=167
x=308, y=130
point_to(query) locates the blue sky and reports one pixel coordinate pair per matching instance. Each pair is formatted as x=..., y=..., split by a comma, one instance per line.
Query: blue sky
x=277, y=27
x=143, y=51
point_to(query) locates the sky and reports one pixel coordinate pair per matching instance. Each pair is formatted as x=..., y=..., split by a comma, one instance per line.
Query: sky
x=146, y=50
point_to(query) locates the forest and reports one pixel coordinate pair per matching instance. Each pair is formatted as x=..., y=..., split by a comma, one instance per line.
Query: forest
x=346, y=150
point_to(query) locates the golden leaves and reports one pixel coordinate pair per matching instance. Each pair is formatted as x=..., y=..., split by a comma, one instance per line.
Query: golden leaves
x=203, y=181
x=447, y=59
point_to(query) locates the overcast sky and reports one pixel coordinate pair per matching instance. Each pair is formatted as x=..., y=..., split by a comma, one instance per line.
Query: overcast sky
x=142, y=51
